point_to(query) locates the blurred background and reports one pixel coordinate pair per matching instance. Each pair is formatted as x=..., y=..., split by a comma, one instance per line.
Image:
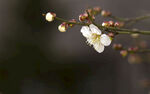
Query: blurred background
x=35, y=58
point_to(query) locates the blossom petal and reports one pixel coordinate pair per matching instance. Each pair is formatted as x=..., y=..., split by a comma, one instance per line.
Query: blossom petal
x=98, y=47
x=86, y=31
x=105, y=40
x=95, y=29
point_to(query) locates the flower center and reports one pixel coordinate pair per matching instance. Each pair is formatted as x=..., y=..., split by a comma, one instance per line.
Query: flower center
x=94, y=39
x=95, y=36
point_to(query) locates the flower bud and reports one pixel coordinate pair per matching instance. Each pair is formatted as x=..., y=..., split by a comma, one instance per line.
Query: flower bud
x=50, y=16
x=73, y=21
x=124, y=53
x=105, y=24
x=118, y=24
x=63, y=27
x=97, y=9
x=83, y=17
x=133, y=49
x=117, y=46
x=111, y=23
x=112, y=35
x=105, y=13
x=89, y=11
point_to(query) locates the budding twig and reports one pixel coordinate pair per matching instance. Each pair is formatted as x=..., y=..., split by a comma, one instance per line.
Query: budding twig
x=113, y=29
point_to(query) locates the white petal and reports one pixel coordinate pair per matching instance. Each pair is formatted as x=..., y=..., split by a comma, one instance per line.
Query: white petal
x=98, y=47
x=89, y=41
x=95, y=29
x=86, y=31
x=105, y=40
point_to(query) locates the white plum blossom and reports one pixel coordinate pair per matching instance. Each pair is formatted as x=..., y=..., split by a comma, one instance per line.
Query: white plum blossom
x=95, y=37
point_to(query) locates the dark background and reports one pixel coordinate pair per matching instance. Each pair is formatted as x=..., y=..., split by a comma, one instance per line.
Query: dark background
x=35, y=58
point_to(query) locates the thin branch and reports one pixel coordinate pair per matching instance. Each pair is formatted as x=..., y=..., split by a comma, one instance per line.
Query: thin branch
x=128, y=20
x=63, y=20
x=111, y=29
x=119, y=18
x=134, y=20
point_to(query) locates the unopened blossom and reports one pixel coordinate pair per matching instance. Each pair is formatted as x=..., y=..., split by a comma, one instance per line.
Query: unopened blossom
x=124, y=53
x=108, y=23
x=83, y=17
x=95, y=37
x=117, y=46
x=133, y=49
x=112, y=35
x=118, y=24
x=63, y=27
x=105, y=13
x=111, y=23
x=97, y=9
x=50, y=16
x=105, y=24
x=72, y=21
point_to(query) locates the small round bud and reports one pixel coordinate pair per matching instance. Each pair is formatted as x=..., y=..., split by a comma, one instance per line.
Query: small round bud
x=63, y=27
x=111, y=23
x=50, y=16
x=133, y=49
x=117, y=46
x=73, y=21
x=105, y=13
x=89, y=11
x=97, y=9
x=83, y=17
x=116, y=24
x=124, y=53
x=112, y=35
x=106, y=24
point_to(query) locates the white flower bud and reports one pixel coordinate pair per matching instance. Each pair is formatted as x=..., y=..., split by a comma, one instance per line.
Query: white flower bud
x=105, y=24
x=50, y=16
x=62, y=28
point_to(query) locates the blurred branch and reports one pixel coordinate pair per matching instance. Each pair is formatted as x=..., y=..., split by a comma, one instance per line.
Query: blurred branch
x=130, y=19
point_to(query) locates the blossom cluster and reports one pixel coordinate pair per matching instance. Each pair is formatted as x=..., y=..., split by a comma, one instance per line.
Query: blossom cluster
x=91, y=32
x=99, y=36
